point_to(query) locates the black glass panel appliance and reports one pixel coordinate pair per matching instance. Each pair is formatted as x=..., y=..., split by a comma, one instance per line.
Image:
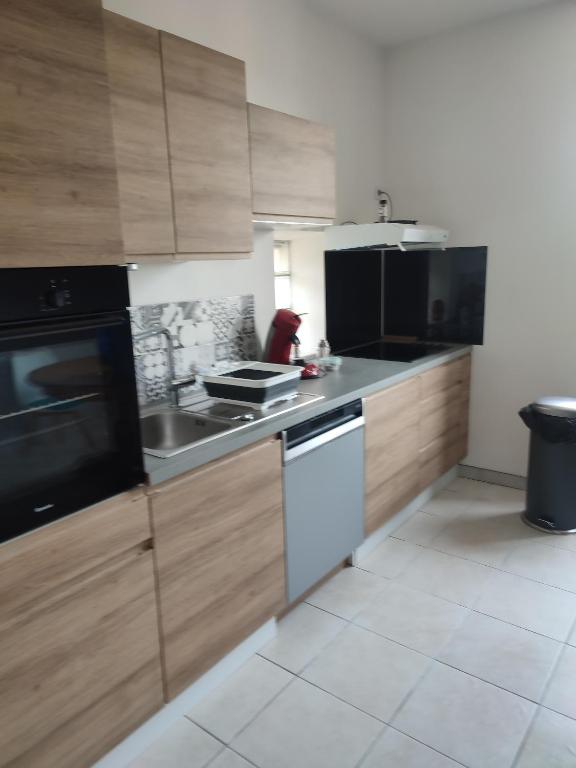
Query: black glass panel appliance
x=69, y=426
x=398, y=305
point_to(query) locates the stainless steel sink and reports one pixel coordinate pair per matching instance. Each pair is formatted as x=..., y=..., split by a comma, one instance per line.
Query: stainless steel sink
x=169, y=432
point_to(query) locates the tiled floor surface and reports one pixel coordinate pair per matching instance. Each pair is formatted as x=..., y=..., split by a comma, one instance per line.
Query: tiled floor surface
x=452, y=644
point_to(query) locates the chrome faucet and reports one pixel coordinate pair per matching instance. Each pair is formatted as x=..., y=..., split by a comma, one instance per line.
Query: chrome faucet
x=174, y=384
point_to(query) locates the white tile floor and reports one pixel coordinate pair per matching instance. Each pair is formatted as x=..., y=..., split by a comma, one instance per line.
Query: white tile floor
x=452, y=644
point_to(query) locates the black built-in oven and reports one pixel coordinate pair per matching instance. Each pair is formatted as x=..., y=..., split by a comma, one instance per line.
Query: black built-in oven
x=69, y=427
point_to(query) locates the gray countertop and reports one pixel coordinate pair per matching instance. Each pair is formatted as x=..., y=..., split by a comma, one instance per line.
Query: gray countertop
x=356, y=378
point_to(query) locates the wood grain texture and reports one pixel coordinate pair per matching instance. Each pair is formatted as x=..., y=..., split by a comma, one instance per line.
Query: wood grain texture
x=444, y=376
x=443, y=431
x=220, y=558
x=439, y=413
x=81, y=670
x=464, y=425
x=140, y=140
x=439, y=456
x=205, y=95
x=50, y=558
x=59, y=196
x=293, y=163
x=392, y=443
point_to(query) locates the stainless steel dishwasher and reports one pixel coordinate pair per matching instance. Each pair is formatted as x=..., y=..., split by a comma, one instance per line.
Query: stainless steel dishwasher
x=323, y=494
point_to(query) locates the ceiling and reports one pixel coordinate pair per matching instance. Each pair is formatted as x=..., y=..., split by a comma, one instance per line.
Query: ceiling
x=390, y=22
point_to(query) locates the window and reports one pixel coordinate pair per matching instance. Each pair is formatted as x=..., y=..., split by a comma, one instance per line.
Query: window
x=282, y=275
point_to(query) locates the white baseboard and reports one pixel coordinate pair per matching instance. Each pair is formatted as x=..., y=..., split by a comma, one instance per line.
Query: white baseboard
x=376, y=538
x=492, y=476
x=129, y=749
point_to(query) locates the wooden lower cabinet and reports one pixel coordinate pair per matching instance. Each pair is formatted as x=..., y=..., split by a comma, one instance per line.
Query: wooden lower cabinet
x=415, y=432
x=79, y=647
x=443, y=440
x=392, y=419
x=219, y=547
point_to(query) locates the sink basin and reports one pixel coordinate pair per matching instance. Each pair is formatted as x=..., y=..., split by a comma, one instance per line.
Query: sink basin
x=169, y=432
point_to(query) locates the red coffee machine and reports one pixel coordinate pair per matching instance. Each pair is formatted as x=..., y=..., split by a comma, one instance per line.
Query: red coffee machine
x=285, y=325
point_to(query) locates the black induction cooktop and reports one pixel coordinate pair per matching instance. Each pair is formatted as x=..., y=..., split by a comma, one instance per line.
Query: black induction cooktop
x=400, y=352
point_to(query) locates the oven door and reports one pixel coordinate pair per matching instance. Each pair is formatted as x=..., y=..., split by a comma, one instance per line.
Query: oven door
x=69, y=427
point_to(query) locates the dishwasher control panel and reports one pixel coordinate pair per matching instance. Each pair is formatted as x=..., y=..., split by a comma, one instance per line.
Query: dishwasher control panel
x=319, y=425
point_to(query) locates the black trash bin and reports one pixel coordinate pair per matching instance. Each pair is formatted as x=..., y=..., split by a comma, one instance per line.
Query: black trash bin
x=551, y=493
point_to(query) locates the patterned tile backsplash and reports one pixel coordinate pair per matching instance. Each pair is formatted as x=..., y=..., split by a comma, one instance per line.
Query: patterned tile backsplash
x=207, y=334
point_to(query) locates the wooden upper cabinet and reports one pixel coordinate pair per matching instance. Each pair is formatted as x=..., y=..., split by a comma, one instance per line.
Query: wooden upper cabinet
x=141, y=145
x=205, y=94
x=79, y=647
x=392, y=418
x=59, y=196
x=293, y=166
x=219, y=545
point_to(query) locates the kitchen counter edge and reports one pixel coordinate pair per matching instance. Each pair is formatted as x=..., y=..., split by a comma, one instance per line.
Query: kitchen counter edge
x=357, y=378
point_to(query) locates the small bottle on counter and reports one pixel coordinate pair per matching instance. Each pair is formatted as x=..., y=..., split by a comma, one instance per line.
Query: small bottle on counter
x=323, y=349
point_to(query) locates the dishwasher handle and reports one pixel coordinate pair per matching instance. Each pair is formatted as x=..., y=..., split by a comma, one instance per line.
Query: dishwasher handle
x=290, y=454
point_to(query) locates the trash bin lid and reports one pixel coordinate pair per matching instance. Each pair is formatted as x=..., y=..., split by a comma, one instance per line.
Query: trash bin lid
x=557, y=406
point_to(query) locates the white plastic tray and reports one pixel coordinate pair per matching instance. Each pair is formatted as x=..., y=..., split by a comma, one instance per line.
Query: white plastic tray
x=287, y=373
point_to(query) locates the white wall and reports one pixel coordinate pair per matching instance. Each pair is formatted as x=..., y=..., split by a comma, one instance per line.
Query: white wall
x=481, y=137
x=298, y=62
x=307, y=268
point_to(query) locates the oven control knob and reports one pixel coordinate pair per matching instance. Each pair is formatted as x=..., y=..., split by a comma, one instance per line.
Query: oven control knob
x=55, y=298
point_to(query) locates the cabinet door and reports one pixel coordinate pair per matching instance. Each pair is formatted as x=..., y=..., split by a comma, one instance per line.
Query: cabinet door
x=392, y=418
x=79, y=652
x=208, y=147
x=220, y=558
x=463, y=421
x=140, y=142
x=59, y=201
x=444, y=408
x=293, y=165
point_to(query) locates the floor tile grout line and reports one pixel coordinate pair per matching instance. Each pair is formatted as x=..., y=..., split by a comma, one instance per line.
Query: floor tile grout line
x=518, y=626
x=212, y=759
x=468, y=560
x=259, y=712
x=320, y=650
x=431, y=546
x=248, y=760
x=385, y=723
x=387, y=727
x=426, y=674
x=552, y=675
x=524, y=739
x=371, y=746
x=435, y=659
x=431, y=660
x=468, y=608
x=545, y=540
x=557, y=712
x=571, y=631
x=444, y=663
x=461, y=605
x=408, y=735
